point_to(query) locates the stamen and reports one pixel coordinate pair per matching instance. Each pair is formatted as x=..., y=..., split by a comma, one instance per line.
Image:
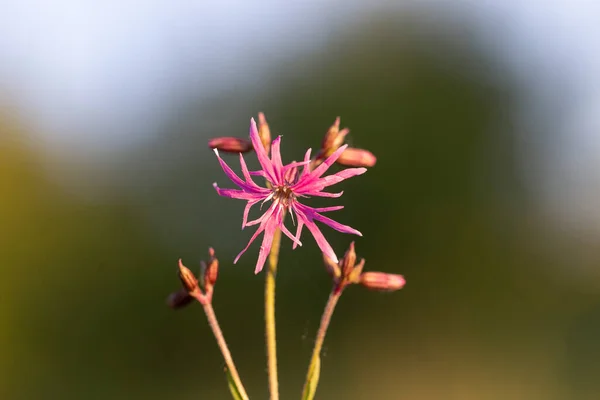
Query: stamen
x=284, y=194
x=269, y=197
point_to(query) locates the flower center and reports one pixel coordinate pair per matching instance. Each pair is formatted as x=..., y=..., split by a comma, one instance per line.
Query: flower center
x=284, y=194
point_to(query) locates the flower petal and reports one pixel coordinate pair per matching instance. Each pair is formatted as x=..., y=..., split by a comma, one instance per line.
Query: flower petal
x=287, y=233
x=336, y=225
x=261, y=153
x=327, y=209
x=306, y=169
x=265, y=219
x=320, y=170
x=247, y=175
x=321, y=183
x=229, y=172
x=259, y=173
x=321, y=241
x=312, y=214
x=295, y=164
x=298, y=232
x=259, y=219
x=237, y=194
x=316, y=232
x=276, y=160
x=265, y=247
x=325, y=194
x=247, y=211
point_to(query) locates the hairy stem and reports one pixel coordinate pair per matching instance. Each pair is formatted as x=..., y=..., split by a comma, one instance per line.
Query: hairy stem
x=214, y=325
x=270, y=339
x=334, y=296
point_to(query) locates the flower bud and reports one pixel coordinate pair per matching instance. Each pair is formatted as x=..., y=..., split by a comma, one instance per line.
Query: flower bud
x=230, y=144
x=382, y=281
x=357, y=271
x=179, y=299
x=353, y=157
x=188, y=280
x=333, y=139
x=347, y=263
x=332, y=268
x=264, y=132
x=211, y=271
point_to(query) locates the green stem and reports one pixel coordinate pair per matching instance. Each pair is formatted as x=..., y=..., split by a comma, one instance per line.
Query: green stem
x=270, y=339
x=214, y=325
x=334, y=296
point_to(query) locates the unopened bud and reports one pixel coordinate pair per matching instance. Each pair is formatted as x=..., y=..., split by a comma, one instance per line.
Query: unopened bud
x=382, y=281
x=230, y=144
x=348, y=261
x=332, y=267
x=357, y=271
x=263, y=131
x=188, y=280
x=353, y=157
x=211, y=271
x=179, y=299
x=333, y=139
x=202, y=273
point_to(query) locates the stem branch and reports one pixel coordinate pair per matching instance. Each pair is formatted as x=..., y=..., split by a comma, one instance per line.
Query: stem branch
x=334, y=296
x=214, y=325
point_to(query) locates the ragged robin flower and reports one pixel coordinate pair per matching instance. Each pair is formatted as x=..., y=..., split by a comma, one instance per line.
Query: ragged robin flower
x=285, y=186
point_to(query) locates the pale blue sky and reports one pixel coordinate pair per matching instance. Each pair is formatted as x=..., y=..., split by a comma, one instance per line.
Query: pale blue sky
x=93, y=74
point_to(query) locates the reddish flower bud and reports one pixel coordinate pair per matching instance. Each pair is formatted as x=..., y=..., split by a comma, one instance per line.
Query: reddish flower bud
x=211, y=271
x=347, y=263
x=202, y=275
x=382, y=281
x=333, y=139
x=264, y=132
x=179, y=299
x=357, y=271
x=332, y=268
x=353, y=157
x=188, y=280
x=230, y=144
x=346, y=271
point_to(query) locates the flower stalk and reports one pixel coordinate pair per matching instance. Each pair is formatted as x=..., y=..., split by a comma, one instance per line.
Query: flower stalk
x=344, y=273
x=204, y=295
x=334, y=296
x=216, y=329
x=270, y=337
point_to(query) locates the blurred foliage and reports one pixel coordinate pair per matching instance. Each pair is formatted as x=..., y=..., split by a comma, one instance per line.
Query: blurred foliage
x=486, y=313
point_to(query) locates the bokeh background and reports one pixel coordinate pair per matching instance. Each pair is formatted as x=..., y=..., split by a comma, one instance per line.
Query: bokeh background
x=484, y=116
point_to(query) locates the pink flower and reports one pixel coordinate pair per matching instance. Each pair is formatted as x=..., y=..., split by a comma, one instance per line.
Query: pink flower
x=286, y=187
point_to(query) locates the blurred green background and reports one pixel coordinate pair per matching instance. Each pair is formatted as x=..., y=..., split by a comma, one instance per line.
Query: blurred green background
x=502, y=298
